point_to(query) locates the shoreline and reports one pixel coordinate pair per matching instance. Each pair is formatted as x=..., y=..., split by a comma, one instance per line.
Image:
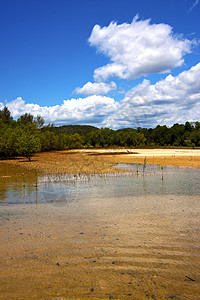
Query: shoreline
x=93, y=161
x=129, y=247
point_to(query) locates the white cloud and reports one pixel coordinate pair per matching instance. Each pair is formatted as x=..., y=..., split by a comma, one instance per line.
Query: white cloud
x=176, y=99
x=90, y=110
x=95, y=88
x=138, y=49
x=172, y=100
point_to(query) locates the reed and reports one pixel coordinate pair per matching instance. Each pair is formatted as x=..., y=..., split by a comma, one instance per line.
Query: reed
x=23, y=180
x=162, y=168
x=137, y=171
x=144, y=164
x=36, y=180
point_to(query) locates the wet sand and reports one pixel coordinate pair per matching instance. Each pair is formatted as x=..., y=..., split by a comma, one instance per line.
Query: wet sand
x=130, y=248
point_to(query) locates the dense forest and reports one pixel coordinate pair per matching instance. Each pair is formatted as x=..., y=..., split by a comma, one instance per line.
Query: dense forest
x=28, y=135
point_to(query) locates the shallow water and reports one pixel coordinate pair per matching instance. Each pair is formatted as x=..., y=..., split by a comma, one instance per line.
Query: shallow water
x=141, y=180
x=131, y=235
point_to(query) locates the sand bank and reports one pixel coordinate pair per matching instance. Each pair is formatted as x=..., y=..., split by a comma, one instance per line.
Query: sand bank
x=103, y=160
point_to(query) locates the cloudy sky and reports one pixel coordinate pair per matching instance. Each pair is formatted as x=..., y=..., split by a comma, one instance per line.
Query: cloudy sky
x=113, y=63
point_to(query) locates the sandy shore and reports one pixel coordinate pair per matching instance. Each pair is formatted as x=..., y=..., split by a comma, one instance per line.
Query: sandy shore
x=135, y=247
x=142, y=248
x=103, y=160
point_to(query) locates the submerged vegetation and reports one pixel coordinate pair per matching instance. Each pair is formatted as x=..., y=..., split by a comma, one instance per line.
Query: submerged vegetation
x=28, y=135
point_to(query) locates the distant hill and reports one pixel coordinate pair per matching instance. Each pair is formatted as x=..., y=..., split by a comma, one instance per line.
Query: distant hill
x=126, y=129
x=81, y=129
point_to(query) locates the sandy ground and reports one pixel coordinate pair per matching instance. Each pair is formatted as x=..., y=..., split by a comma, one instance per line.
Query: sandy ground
x=144, y=248
x=135, y=248
x=102, y=161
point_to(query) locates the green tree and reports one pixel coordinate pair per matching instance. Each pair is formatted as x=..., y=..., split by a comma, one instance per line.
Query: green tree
x=5, y=116
x=74, y=141
x=188, y=126
x=28, y=144
x=39, y=121
x=177, y=134
x=48, y=140
x=26, y=119
x=8, y=143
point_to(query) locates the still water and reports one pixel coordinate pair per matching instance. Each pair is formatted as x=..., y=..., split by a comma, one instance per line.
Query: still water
x=126, y=235
x=139, y=181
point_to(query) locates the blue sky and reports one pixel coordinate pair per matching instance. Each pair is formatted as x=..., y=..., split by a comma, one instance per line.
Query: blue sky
x=65, y=60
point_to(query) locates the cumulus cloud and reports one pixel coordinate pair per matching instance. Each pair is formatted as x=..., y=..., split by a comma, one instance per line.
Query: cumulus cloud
x=175, y=99
x=90, y=110
x=96, y=88
x=172, y=100
x=138, y=49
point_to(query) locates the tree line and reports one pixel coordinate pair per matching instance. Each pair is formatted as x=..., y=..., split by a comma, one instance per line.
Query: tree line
x=28, y=135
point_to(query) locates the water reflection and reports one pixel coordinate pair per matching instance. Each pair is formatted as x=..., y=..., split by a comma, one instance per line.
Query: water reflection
x=65, y=188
